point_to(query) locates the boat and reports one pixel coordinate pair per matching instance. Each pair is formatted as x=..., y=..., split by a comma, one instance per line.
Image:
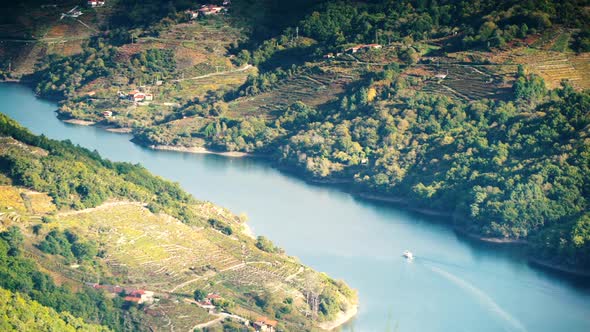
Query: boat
x=408, y=254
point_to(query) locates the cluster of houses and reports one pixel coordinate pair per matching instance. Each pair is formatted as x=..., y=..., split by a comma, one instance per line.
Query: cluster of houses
x=208, y=10
x=141, y=296
x=138, y=296
x=96, y=3
x=262, y=324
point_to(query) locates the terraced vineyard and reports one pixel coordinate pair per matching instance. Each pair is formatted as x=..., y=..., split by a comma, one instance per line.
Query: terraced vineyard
x=176, y=315
x=313, y=88
x=467, y=82
x=556, y=67
x=162, y=254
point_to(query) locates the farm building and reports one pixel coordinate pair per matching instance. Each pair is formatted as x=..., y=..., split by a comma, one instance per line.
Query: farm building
x=263, y=324
x=138, y=96
x=107, y=114
x=213, y=296
x=140, y=296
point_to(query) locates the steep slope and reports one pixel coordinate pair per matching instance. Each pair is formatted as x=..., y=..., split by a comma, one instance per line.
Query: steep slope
x=132, y=230
x=23, y=315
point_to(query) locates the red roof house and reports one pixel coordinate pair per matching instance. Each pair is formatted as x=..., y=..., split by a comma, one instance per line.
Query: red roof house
x=265, y=324
x=140, y=296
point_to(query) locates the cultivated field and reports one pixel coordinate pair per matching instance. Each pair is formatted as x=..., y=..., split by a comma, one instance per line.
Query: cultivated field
x=317, y=84
x=464, y=81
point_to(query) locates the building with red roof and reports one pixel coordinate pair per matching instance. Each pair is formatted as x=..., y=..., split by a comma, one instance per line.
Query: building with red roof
x=140, y=296
x=264, y=324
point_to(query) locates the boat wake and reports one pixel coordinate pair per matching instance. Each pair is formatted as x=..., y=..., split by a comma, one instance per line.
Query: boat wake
x=538, y=286
x=482, y=297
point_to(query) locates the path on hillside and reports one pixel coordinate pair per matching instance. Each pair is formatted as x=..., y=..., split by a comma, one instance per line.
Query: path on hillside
x=45, y=39
x=220, y=316
x=233, y=267
x=175, y=40
x=246, y=67
x=101, y=207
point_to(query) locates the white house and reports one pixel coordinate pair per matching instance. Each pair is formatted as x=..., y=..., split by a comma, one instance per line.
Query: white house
x=192, y=15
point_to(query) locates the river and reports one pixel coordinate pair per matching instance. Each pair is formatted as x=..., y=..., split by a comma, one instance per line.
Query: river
x=454, y=284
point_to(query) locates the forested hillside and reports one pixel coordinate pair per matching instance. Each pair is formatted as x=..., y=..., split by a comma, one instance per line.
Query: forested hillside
x=479, y=109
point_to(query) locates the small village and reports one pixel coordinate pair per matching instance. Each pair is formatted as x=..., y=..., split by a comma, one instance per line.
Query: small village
x=145, y=299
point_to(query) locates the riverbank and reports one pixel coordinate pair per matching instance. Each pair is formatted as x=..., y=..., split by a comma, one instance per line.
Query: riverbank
x=199, y=150
x=196, y=150
x=405, y=203
x=79, y=122
x=341, y=318
x=477, y=237
x=546, y=264
x=118, y=130
x=490, y=239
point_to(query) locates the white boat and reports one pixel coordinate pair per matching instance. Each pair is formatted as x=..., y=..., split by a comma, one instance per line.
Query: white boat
x=408, y=254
